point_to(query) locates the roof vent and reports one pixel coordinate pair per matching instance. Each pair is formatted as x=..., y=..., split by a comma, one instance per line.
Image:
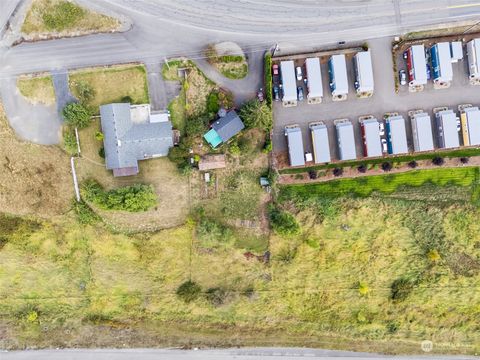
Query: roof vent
x=119, y=143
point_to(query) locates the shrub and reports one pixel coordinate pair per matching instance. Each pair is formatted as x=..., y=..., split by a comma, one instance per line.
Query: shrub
x=133, y=198
x=312, y=174
x=62, y=16
x=439, y=161
x=256, y=114
x=287, y=254
x=268, y=79
x=363, y=288
x=337, y=172
x=126, y=99
x=101, y=152
x=267, y=147
x=216, y=296
x=77, y=115
x=433, y=255
x=99, y=136
x=70, y=142
x=196, y=126
x=212, y=233
x=213, y=104
x=464, y=160
x=387, y=166
x=234, y=148
x=401, y=288
x=362, y=168
x=85, y=215
x=189, y=291
x=412, y=164
x=282, y=222
x=84, y=91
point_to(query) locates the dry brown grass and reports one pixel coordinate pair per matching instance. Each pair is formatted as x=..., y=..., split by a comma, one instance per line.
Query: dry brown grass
x=34, y=179
x=112, y=84
x=37, y=88
x=36, y=27
x=171, y=188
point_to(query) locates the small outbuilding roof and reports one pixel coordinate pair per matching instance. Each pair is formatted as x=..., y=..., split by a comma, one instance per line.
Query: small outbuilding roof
x=211, y=162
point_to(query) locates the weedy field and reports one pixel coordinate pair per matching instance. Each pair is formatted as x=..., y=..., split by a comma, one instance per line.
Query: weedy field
x=380, y=273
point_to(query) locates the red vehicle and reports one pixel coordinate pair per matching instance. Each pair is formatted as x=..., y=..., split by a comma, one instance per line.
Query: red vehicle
x=275, y=69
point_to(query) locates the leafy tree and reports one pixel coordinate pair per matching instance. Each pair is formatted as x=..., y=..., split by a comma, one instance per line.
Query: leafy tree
x=283, y=222
x=362, y=168
x=70, y=142
x=256, y=114
x=77, y=115
x=84, y=91
x=189, y=291
x=439, y=161
x=197, y=126
x=213, y=104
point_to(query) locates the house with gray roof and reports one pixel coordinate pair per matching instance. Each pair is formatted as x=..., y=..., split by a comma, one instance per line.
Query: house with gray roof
x=133, y=133
x=224, y=129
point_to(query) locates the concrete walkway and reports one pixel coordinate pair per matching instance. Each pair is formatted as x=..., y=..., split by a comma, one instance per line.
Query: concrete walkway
x=242, y=89
x=37, y=123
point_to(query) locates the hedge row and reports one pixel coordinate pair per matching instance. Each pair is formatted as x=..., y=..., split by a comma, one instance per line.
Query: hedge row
x=268, y=78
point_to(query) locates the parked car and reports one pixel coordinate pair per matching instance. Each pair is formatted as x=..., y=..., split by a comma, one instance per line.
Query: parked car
x=260, y=95
x=381, y=129
x=300, y=93
x=429, y=74
x=275, y=69
x=299, y=73
x=384, y=145
x=403, y=77
x=276, y=93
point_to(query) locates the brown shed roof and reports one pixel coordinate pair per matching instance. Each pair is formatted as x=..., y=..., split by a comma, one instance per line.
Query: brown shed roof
x=210, y=162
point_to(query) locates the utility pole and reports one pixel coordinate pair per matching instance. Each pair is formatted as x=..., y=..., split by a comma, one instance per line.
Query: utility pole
x=275, y=49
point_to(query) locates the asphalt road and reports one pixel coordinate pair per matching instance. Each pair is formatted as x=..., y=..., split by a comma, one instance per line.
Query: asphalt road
x=164, y=28
x=6, y=9
x=226, y=354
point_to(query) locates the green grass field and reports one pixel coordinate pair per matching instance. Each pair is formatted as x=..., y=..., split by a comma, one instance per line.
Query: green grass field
x=365, y=186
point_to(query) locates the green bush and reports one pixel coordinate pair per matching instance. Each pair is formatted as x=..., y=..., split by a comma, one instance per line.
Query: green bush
x=197, y=126
x=256, y=114
x=283, y=222
x=70, y=142
x=212, y=233
x=189, y=291
x=127, y=99
x=133, y=198
x=62, y=16
x=101, y=152
x=84, y=91
x=216, y=296
x=268, y=79
x=85, y=215
x=401, y=288
x=213, y=103
x=77, y=115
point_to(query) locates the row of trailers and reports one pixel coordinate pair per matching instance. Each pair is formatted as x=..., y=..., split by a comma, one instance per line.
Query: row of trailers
x=390, y=138
x=338, y=78
x=441, y=56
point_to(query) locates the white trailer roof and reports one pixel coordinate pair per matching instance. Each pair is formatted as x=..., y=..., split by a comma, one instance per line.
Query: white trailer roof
x=419, y=64
x=449, y=129
x=445, y=61
x=339, y=69
x=288, y=81
x=314, y=75
x=321, y=146
x=473, y=124
x=346, y=141
x=295, y=146
x=422, y=132
x=473, y=51
x=372, y=137
x=364, y=71
x=398, y=135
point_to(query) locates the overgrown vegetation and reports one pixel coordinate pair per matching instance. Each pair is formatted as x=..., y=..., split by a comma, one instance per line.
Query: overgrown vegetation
x=230, y=66
x=256, y=114
x=37, y=89
x=64, y=18
x=132, y=198
x=267, y=72
x=76, y=115
x=283, y=222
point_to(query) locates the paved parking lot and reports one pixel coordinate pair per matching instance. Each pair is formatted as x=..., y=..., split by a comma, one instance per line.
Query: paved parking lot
x=384, y=100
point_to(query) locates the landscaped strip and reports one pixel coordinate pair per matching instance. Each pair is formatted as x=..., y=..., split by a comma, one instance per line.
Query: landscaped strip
x=388, y=183
x=467, y=152
x=37, y=89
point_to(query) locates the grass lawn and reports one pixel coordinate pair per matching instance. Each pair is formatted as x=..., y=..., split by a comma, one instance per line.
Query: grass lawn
x=64, y=18
x=37, y=89
x=230, y=66
x=364, y=186
x=120, y=83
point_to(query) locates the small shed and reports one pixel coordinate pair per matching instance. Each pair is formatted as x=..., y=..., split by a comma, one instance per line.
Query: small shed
x=212, y=162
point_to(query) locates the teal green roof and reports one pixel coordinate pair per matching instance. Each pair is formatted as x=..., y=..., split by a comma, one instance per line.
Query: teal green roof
x=213, y=138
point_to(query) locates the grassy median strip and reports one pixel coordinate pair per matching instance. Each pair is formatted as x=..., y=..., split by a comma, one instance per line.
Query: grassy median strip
x=364, y=186
x=467, y=152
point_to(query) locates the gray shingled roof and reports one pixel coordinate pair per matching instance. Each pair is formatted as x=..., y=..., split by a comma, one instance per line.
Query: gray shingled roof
x=228, y=126
x=127, y=142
